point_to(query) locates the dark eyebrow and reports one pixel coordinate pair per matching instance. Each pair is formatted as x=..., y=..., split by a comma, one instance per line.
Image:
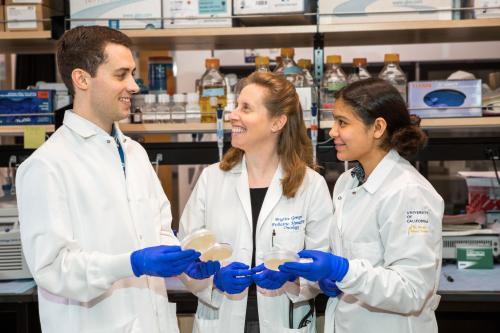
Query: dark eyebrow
x=123, y=70
x=340, y=118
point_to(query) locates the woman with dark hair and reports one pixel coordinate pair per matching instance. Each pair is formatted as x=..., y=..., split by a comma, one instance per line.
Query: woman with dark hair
x=264, y=194
x=386, y=236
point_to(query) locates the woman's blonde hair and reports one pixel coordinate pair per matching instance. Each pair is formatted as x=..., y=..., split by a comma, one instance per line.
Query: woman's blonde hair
x=294, y=146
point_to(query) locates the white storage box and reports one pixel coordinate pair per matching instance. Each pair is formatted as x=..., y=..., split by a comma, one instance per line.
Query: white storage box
x=196, y=13
x=116, y=14
x=355, y=11
x=441, y=99
x=289, y=11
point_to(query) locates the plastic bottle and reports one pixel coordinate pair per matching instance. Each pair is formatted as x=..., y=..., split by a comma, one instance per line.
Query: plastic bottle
x=333, y=80
x=289, y=68
x=163, y=109
x=136, y=116
x=178, y=110
x=149, y=109
x=231, y=105
x=359, y=71
x=393, y=74
x=193, y=114
x=212, y=85
x=305, y=64
x=262, y=64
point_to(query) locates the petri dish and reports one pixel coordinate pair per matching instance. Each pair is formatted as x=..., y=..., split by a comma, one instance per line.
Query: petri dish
x=200, y=240
x=218, y=251
x=274, y=258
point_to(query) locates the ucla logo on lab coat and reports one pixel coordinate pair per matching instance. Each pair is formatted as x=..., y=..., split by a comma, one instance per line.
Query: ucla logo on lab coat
x=418, y=222
x=288, y=222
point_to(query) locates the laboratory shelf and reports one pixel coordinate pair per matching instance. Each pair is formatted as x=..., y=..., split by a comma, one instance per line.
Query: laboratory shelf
x=171, y=128
x=447, y=123
x=435, y=31
x=223, y=38
x=18, y=130
x=26, y=41
x=281, y=36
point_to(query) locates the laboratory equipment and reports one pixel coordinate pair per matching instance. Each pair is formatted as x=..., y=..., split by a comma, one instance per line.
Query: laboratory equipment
x=333, y=80
x=12, y=262
x=204, y=241
x=218, y=251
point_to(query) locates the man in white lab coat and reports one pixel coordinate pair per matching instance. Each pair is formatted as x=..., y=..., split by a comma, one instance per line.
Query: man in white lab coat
x=95, y=221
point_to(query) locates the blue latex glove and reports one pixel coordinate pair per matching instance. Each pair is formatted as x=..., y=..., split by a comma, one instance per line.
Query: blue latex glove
x=233, y=278
x=329, y=288
x=162, y=260
x=201, y=270
x=269, y=279
x=324, y=266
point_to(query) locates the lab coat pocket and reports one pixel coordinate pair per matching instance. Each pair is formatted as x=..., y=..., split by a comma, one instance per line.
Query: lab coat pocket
x=292, y=240
x=371, y=251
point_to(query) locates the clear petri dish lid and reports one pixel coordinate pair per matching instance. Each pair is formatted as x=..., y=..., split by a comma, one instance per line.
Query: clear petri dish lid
x=200, y=240
x=274, y=258
x=218, y=251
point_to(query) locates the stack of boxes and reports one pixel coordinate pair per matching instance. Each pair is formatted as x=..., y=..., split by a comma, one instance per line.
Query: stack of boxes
x=31, y=15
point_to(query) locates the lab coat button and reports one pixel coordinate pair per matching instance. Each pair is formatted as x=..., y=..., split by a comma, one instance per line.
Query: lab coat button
x=339, y=198
x=353, y=192
x=108, y=141
x=140, y=237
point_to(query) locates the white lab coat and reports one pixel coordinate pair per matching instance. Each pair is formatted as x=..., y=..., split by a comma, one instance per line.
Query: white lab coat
x=390, y=230
x=221, y=202
x=81, y=219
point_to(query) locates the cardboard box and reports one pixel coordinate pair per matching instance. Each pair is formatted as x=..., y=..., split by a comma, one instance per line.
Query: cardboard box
x=26, y=107
x=294, y=10
x=355, y=11
x=58, y=5
x=116, y=14
x=33, y=13
x=201, y=13
x=471, y=257
x=442, y=99
x=485, y=9
x=2, y=18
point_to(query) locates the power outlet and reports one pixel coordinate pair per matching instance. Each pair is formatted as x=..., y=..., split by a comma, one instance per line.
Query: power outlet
x=492, y=153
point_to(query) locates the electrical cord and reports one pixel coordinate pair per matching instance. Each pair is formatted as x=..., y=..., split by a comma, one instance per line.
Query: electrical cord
x=496, y=170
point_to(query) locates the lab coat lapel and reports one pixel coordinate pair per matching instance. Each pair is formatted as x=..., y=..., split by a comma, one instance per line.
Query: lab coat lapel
x=244, y=191
x=273, y=196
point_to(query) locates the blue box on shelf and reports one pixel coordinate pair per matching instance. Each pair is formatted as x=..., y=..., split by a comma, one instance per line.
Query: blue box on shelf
x=442, y=99
x=26, y=107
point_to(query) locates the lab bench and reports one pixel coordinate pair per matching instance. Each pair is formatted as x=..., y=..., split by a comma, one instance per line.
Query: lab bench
x=470, y=300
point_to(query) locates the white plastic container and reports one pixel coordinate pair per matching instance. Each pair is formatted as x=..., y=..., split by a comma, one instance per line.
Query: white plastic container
x=276, y=257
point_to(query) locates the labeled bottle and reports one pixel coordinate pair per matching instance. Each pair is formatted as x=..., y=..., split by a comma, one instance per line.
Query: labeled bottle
x=262, y=64
x=359, y=71
x=393, y=74
x=333, y=80
x=149, y=109
x=231, y=105
x=178, y=109
x=193, y=114
x=212, y=84
x=289, y=68
x=136, y=116
x=163, y=109
x=305, y=64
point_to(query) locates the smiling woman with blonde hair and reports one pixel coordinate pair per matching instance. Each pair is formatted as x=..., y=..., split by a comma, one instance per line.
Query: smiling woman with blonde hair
x=264, y=194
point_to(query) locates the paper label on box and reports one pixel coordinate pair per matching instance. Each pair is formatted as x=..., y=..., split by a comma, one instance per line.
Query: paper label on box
x=34, y=136
x=259, y=4
x=21, y=13
x=211, y=6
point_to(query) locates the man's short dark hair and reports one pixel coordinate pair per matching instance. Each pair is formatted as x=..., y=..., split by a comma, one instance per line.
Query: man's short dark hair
x=83, y=47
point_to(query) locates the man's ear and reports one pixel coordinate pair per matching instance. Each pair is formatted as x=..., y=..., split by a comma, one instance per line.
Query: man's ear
x=80, y=79
x=379, y=128
x=279, y=123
